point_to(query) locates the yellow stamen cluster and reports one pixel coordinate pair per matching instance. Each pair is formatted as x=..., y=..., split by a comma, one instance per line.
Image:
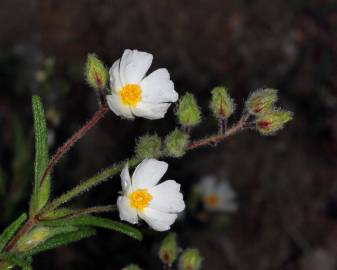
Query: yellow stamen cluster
x=130, y=95
x=212, y=200
x=140, y=198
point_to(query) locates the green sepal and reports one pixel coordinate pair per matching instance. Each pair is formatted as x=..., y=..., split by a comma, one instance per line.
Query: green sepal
x=9, y=232
x=90, y=220
x=61, y=240
x=41, y=192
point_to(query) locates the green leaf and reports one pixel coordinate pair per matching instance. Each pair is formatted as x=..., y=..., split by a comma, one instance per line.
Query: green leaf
x=89, y=220
x=9, y=232
x=61, y=240
x=16, y=260
x=41, y=192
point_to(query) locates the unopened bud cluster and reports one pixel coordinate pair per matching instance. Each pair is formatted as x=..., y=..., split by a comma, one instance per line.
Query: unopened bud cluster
x=268, y=119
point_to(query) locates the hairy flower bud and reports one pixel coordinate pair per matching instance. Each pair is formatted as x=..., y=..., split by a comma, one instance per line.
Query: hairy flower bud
x=96, y=73
x=190, y=260
x=176, y=143
x=131, y=267
x=261, y=101
x=168, y=249
x=40, y=234
x=271, y=122
x=148, y=146
x=35, y=237
x=188, y=111
x=222, y=105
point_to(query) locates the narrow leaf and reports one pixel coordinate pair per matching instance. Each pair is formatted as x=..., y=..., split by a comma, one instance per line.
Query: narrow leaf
x=41, y=192
x=16, y=260
x=89, y=220
x=61, y=240
x=9, y=232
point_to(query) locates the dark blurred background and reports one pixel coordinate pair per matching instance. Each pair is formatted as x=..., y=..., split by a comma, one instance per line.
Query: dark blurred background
x=286, y=185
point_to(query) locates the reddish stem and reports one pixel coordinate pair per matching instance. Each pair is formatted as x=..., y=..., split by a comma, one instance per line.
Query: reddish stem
x=240, y=125
x=73, y=139
x=25, y=229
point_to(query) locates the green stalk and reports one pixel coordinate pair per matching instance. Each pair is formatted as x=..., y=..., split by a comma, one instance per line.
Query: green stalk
x=88, y=184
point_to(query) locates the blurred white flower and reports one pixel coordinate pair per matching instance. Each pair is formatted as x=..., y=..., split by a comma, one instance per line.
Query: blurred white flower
x=158, y=205
x=133, y=94
x=217, y=195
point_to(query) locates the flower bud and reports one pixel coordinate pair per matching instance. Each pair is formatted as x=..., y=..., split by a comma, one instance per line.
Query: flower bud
x=168, y=249
x=148, y=146
x=131, y=267
x=273, y=121
x=96, y=73
x=176, y=143
x=222, y=105
x=261, y=101
x=40, y=234
x=32, y=239
x=188, y=111
x=190, y=260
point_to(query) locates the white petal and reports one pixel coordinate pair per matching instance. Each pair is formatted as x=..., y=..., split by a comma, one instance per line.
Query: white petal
x=166, y=197
x=157, y=87
x=115, y=79
x=208, y=185
x=126, y=212
x=134, y=65
x=225, y=191
x=126, y=180
x=150, y=110
x=148, y=173
x=117, y=107
x=158, y=220
x=228, y=206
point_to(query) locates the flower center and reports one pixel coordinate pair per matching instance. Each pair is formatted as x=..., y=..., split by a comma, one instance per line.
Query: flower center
x=130, y=94
x=212, y=200
x=140, y=199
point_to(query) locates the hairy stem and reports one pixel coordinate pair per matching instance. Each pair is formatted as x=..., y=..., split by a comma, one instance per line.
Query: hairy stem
x=24, y=229
x=108, y=173
x=214, y=139
x=88, y=184
x=73, y=139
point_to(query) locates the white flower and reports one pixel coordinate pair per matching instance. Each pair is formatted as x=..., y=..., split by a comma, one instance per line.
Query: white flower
x=133, y=94
x=217, y=195
x=142, y=198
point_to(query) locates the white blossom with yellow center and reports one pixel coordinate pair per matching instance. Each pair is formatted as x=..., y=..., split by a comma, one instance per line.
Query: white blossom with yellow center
x=217, y=195
x=133, y=94
x=157, y=204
